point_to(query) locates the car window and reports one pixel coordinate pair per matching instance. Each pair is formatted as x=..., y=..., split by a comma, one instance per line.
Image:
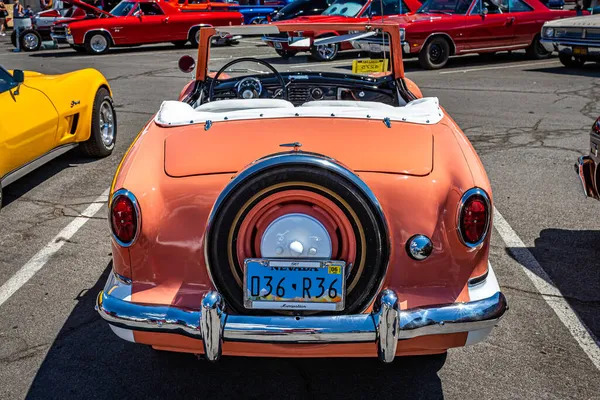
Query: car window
x=6, y=81
x=390, y=7
x=445, y=7
x=518, y=6
x=151, y=9
x=346, y=8
x=492, y=6
x=123, y=8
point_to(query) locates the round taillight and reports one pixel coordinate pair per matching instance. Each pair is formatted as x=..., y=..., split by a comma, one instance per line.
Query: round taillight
x=474, y=217
x=124, y=217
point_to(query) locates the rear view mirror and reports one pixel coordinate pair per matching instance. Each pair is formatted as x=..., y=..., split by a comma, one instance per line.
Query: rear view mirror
x=18, y=76
x=186, y=64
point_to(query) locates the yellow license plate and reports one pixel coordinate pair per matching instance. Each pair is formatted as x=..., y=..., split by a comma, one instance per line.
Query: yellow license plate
x=580, y=51
x=369, y=66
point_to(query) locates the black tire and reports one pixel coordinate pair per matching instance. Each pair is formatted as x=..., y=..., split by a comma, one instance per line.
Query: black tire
x=180, y=44
x=536, y=49
x=569, y=61
x=97, y=145
x=97, y=43
x=0, y=196
x=79, y=49
x=30, y=40
x=366, y=276
x=327, y=52
x=435, y=53
x=193, y=37
x=285, y=54
x=13, y=38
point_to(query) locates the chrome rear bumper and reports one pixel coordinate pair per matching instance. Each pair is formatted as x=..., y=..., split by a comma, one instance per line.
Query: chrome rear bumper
x=385, y=325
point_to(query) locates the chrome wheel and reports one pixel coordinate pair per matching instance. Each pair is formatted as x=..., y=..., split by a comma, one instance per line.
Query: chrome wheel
x=99, y=43
x=107, y=127
x=197, y=36
x=31, y=41
x=327, y=51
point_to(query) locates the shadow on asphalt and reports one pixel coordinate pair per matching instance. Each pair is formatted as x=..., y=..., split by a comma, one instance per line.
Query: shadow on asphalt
x=22, y=186
x=570, y=258
x=86, y=360
x=591, y=70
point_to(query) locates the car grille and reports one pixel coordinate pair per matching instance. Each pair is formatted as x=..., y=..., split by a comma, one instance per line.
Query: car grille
x=579, y=34
x=593, y=34
x=298, y=95
x=59, y=30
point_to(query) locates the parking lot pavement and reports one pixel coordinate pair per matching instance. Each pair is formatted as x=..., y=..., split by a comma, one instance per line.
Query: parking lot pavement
x=529, y=120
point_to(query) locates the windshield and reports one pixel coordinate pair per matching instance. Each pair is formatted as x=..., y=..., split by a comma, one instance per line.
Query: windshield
x=445, y=7
x=123, y=8
x=6, y=81
x=304, y=5
x=345, y=8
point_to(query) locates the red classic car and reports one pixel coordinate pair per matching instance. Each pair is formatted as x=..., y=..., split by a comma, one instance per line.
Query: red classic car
x=138, y=22
x=442, y=28
x=340, y=11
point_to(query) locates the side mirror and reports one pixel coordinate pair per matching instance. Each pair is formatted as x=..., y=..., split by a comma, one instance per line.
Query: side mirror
x=18, y=76
x=186, y=64
x=138, y=14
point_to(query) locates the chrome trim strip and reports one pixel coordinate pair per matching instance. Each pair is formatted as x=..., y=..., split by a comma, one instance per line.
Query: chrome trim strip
x=479, y=279
x=561, y=42
x=99, y=30
x=138, y=216
x=453, y=49
x=385, y=325
x=282, y=159
x=23, y=170
x=512, y=46
x=199, y=26
x=469, y=193
x=275, y=39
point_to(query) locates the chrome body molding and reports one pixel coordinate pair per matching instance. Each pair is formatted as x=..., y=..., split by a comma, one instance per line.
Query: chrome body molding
x=453, y=49
x=386, y=325
x=275, y=39
x=58, y=37
x=560, y=45
x=112, y=41
x=468, y=194
x=586, y=168
x=295, y=158
x=38, y=162
x=419, y=247
x=138, y=216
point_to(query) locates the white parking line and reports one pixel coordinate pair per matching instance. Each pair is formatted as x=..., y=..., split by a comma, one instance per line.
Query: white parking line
x=464, y=71
x=40, y=259
x=547, y=289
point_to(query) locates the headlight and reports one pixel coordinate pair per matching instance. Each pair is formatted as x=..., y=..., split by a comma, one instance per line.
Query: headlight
x=549, y=32
x=402, y=34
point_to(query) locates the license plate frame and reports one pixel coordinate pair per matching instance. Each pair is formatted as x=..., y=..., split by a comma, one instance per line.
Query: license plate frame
x=296, y=271
x=580, y=51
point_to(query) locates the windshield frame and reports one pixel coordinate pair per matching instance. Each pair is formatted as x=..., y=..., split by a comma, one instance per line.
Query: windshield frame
x=11, y=84
x=365, y=4
x=427, y=3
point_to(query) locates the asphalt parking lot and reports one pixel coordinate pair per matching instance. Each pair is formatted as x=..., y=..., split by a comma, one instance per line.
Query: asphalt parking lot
x=529, y=121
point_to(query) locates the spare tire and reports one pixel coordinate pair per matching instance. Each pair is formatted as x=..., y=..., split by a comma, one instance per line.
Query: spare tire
x=352, y=218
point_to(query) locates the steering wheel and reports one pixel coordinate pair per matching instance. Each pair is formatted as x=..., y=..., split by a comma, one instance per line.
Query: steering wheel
x=211, y=88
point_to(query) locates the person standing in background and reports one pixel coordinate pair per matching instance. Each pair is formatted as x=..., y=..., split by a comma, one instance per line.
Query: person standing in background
x=45, y=4
x=28, y=13
x=3, y=15
x=17, y=10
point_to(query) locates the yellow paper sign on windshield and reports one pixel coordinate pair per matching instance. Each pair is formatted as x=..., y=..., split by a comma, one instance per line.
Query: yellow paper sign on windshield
x=369, y=66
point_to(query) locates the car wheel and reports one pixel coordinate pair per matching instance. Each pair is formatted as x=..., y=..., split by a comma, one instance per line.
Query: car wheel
x=104, y=127
x=30, y=40
x=97, y=43
x=285, y=53
x=195, y=37
x=435, y=53
x=536, y=50
x=325, y=52
x=180, y=43
x=569, y=61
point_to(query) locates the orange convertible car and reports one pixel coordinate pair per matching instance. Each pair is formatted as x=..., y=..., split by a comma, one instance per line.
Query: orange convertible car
x=280, y=212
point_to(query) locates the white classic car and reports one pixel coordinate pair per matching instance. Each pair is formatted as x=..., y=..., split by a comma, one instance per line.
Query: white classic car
x=576, y=40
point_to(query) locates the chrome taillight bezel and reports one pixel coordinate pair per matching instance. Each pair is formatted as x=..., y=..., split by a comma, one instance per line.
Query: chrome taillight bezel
x=463, y=200
x=138, y=216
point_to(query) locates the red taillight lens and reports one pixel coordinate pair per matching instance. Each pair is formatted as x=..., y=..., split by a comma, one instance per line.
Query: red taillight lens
x=474, y=217
x=123, y=219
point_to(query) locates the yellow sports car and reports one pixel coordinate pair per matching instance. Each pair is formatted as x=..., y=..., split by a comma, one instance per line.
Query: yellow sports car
x=44, y=116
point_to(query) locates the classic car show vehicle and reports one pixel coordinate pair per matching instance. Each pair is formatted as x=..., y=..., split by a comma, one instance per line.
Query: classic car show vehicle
x=339, y=11
x=253, y=13
x=138, y=22
x=301, y=8
x=44, y=116
x=577, y=40
x=301, y=214
x=442, y=28
x=65, y=11
x=587, y=166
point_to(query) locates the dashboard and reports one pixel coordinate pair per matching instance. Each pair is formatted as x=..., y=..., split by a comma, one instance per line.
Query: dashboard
x=303, y=87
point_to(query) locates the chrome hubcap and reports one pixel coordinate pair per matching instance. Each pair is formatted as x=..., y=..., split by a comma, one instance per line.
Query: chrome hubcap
x=327, y=51
x=31, y=41
x=98, y=43
x=296, y=235
x=197, y=36
x=107, y=127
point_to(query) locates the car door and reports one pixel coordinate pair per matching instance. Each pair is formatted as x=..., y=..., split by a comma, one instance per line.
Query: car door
x=489, y=26
x=154, y=23
x=27, y=126
x=388, y=8
x=527, y=23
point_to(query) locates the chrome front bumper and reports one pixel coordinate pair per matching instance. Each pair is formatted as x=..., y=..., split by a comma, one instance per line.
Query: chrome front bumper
x=386, y=325
x=559, y=45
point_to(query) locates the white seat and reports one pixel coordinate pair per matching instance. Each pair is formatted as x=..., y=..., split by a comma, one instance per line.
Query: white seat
x=243, y=104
